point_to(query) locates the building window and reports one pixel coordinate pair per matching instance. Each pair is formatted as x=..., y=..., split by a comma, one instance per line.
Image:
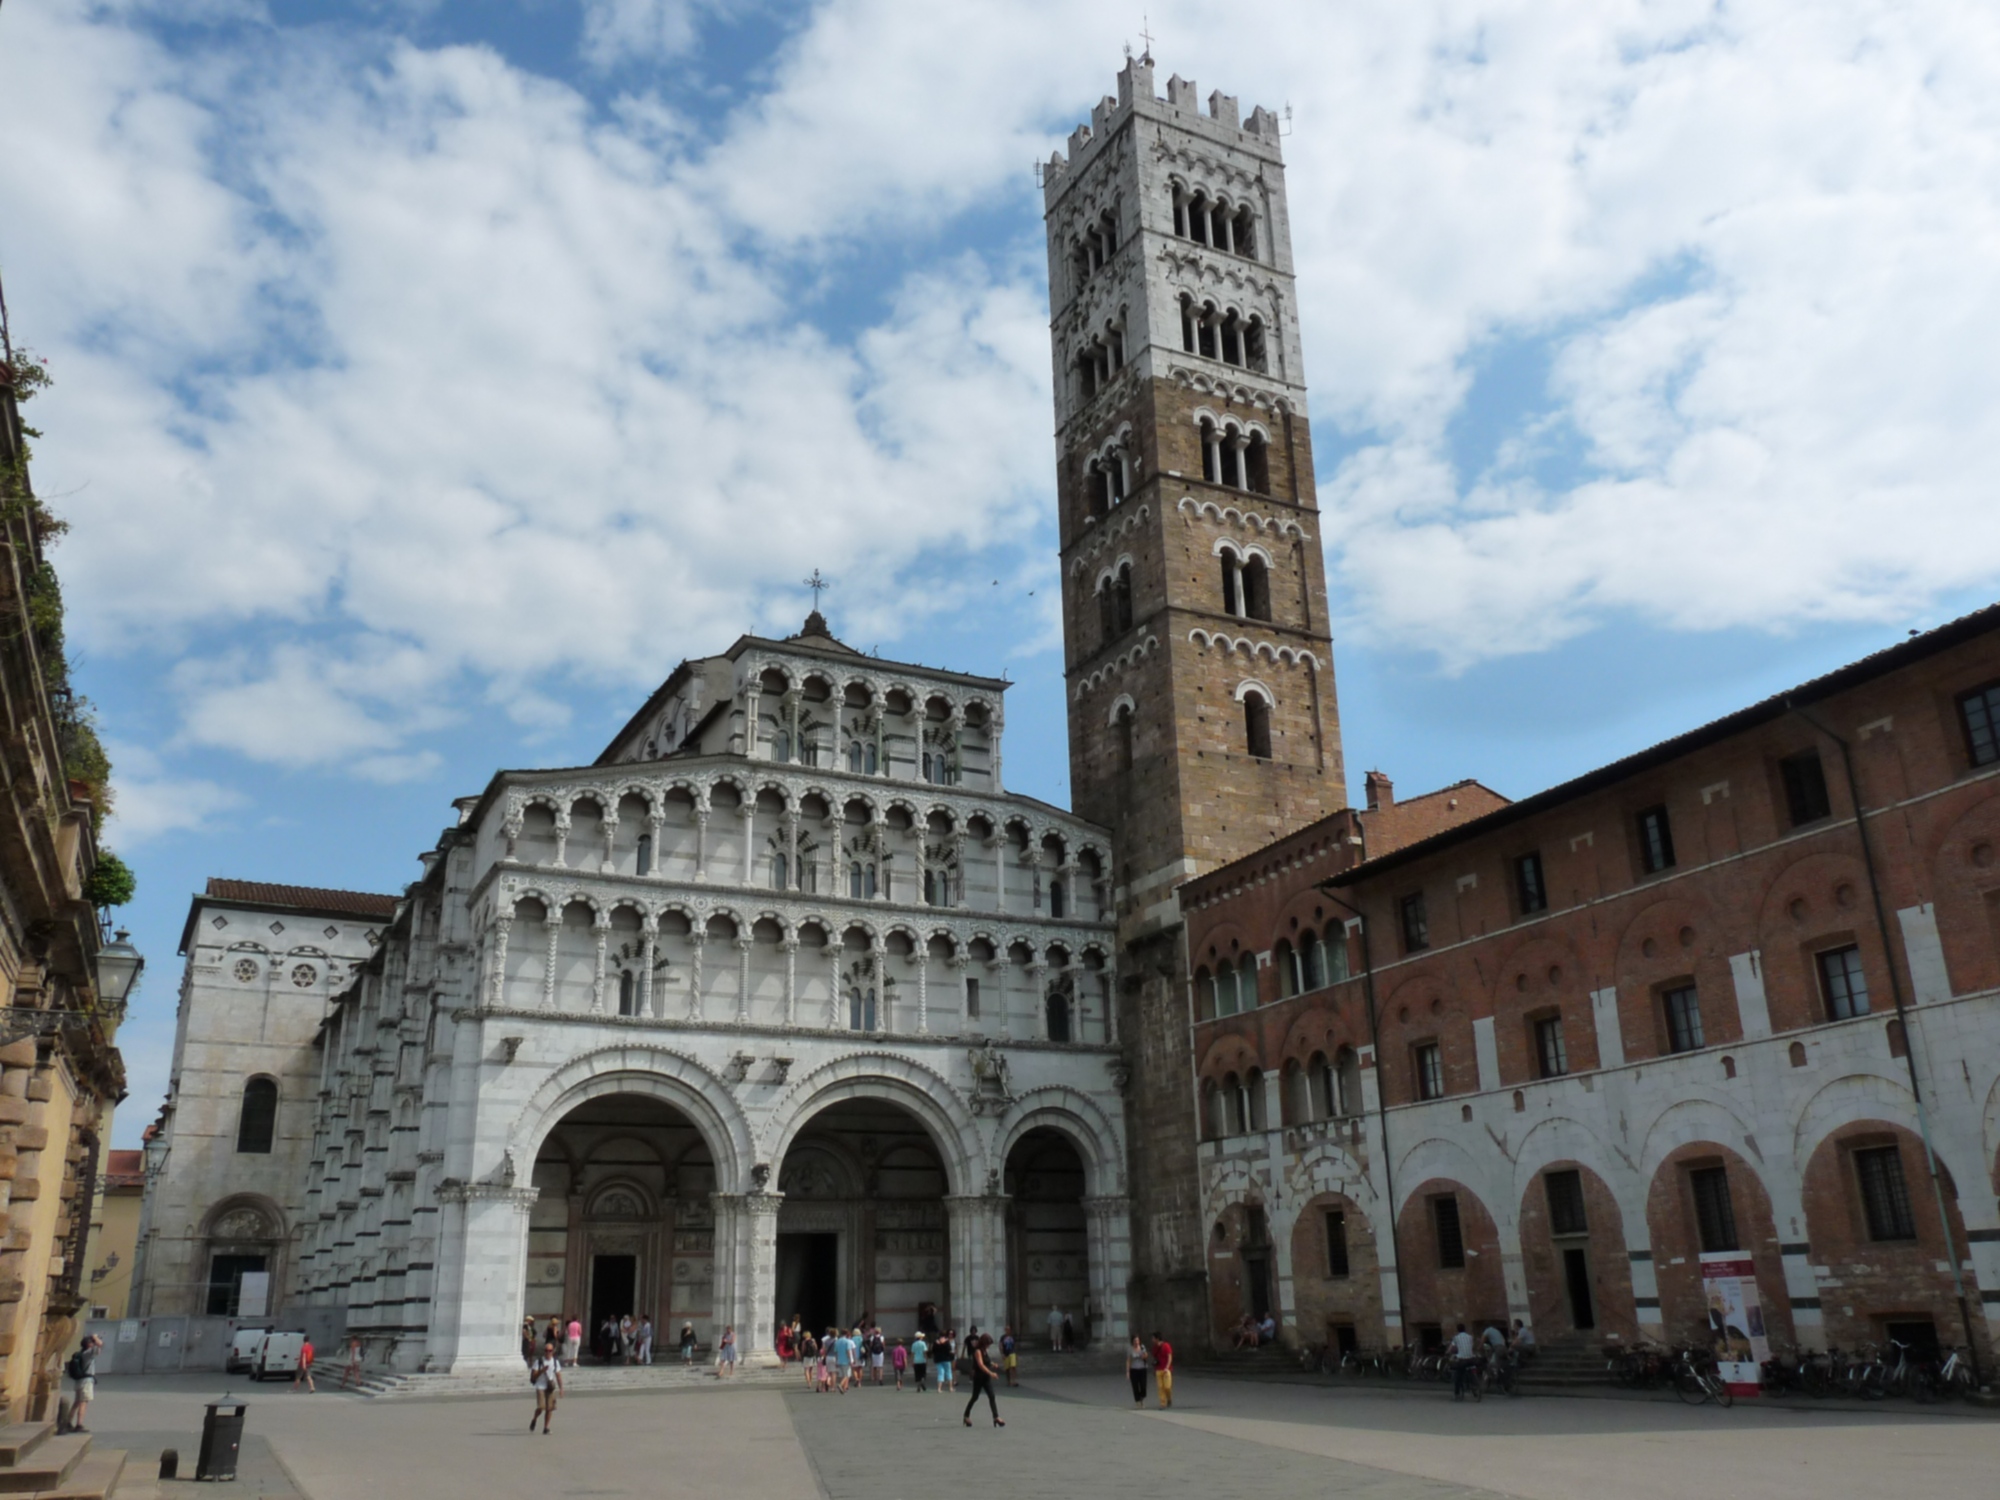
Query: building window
x=781, y=746
x=1551, y=1057
x=257, y=1123
x=1336, y=953
x=1336, y=1242
x=1257, y=726
x=1430, y=1070
x=1656, y=840
x=644, y=864
x=780, y=872
x=1980, y=712
x=1885, y=1197
x=1058, y=1018
x=971, y=998
x=1565, y=1194
x=1057, y=896
x=1845, y=986
x=1714, y=1217
x=1256, y=580
x=1683, y=1019
x=1414, y=918
x=628, y=993
x=861, y=1008
x=1805, y=788
x=1529, y=888
x=1347, y=1074
x=1450, y=1239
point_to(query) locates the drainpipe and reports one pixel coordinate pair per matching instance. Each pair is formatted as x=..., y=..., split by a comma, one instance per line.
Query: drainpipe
x=1325, y=888
x=1902, y=1020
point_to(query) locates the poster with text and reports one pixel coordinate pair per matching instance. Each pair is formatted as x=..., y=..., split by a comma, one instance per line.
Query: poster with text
x=1735, y=1320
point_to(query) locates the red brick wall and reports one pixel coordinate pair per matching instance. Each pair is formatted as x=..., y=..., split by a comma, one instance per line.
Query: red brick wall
x=1542, y=1262
x=1434, y=1294
x=1670, y=1221
x=1323, y=1299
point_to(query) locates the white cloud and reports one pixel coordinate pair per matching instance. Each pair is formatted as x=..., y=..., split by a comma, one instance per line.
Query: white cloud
x=152, y=801
x=618, y=31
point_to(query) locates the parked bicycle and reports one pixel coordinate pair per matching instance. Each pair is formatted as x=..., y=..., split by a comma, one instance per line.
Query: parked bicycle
x=1697, y=1380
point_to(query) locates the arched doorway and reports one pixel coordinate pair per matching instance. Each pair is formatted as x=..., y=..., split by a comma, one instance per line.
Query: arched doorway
x=862, y=1229
x=1048, y=1262
x=624, y=1222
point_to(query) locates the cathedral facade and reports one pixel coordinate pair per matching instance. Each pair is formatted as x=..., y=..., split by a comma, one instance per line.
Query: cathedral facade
x=782, y=1006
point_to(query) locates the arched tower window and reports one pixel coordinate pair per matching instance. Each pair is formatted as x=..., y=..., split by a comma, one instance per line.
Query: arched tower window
x=1232, y=589
x=1257, y=725
x=257, y=1120
x=1122, y=594
x=1256, y=593
x=1255, y=460
x=1122, y=730
x=1243, y=233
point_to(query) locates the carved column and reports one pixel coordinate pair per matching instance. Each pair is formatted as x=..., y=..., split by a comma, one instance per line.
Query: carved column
x=750, y=839
x=609, y=860
x=997, y=842
x=993, y=740
x=562, y=838
x=743, y=941
x=833, y=951
x=753, y=705
x=1108, y=1262
x=957, y=963
x=652, y=937
x=1036, y=971
x=603, y=929
x=789, y=946
x=698, y=940
x=923, y=958
x=795, y=878
x=701, y=841
x=496, y=993
x=655, y=821
x=977, y=1255
x=996, y=970
x=553, y=922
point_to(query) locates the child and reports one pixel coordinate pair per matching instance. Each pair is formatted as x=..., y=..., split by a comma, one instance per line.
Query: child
x=899, y=1357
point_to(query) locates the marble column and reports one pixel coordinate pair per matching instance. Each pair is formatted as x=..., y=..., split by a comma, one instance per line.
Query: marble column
x=743, y=941
x=482, y=1267
x=923, y=989
x=791, y=948
x=698, y=941
x=496, y=989
x=1108, y=1259
x=647, y=959
x=1037, y=972
x=977, y=1250
x=553, y=923
x=701, y=841
x=603, y=930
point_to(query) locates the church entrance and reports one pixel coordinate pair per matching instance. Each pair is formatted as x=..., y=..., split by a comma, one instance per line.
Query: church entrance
x=861, y=1231
x=1047, y=1238
x=624, y=1221
x=809, y=1278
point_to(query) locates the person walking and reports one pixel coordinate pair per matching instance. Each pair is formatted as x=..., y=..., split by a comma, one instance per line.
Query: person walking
x=983, y=1374
x=82, y=1372
x=1136, y=1361
x=350, y=1375
x=899, y=1357
x=843, y=1359
x=808, y=1348
x=1009, y=1357
x=1461, y=1363
x=784, y=1343
x=920, y=1353
x=1055, y=1330
x=545, y=1375
x=823, y=1366
x=944, y=1356
x=878, y=1350
x=687, y=1343
x=1163, y=1370
x=646, y=1340
x=305, y=1370
x=725, y=1355
x=529, y=1345
x=572, y=1341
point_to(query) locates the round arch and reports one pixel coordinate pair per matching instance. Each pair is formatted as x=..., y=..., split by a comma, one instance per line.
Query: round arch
x=1078, y=1119
x=653, y=1073
x=888, y=1079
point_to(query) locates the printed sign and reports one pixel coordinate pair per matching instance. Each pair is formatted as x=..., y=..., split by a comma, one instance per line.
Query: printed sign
x=128, y=1331
x=1735, y=1319
x=253, y=1293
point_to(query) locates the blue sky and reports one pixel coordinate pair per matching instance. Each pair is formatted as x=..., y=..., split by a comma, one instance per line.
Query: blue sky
x=434, y=375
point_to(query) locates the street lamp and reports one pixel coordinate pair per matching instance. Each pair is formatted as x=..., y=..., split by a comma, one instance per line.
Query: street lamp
x=118, y=968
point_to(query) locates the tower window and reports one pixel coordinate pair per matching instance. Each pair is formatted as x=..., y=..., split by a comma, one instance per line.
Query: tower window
x=1979, y=711
x=1806, y=800
x=1254, y=354
x=1243, y=233
x=1232, y=340
x=1232, y=598
x=1056, y=896
x=1843, y=982
x=1123, y=730
x=1551, y=1056
x=1428, y=1062
x=1529, y=888
x=1714, y=1216
x=257, y=1120
x=1684, y=1033
x=1656, y=841
x=1885, y=1196
x=1414, y=918
x=1122, y=595
x=1256, y=589
x=1257, y=726
x=1205, y=333
x=1257, y=465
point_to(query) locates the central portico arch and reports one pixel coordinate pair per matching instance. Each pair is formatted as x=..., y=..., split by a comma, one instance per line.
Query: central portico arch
x=651, y=1072
x=886, y=1078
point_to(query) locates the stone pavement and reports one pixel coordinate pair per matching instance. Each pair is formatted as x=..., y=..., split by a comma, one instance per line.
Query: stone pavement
x=1065, y=1436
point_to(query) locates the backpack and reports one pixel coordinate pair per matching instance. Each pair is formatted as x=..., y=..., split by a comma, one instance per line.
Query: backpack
x=78, y=1366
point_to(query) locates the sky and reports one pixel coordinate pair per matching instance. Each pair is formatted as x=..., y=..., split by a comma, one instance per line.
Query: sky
x=433, y=375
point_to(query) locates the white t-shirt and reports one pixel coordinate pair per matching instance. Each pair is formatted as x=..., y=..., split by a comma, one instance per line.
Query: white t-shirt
x=1461, y=1345
x=544, y=1372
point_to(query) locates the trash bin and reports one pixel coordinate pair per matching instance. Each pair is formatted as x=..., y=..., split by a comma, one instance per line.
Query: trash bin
x=221, y=1436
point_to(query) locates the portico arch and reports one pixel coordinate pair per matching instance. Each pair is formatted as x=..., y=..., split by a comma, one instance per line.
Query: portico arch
x=885, y=1077
x=650, y=1072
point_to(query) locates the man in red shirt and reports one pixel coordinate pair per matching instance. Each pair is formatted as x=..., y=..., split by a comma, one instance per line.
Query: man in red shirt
x=1163, y=1370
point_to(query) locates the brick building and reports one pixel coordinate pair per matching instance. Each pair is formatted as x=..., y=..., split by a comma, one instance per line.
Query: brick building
x=1538, y=1064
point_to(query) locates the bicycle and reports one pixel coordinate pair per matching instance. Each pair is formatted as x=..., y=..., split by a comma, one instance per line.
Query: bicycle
x=1699, y=1382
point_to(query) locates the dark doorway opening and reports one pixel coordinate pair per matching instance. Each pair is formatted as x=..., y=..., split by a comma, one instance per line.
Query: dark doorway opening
x=225, y=1282
x=1576, y=1271
x=809, y=1279
x=1257, y=1273
x=1344, y=1338
x=614, y=1289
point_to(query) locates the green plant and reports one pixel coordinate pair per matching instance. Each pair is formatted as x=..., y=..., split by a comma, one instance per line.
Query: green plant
x=112, y=882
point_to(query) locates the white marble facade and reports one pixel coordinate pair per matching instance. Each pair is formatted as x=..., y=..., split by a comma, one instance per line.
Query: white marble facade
x=792, y=883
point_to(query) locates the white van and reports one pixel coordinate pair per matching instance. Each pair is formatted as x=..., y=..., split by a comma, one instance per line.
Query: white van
x=278, y=1355
x=243, y=1347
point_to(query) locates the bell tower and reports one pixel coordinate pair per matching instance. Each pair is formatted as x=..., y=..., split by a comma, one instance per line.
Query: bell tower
x=1202, y=718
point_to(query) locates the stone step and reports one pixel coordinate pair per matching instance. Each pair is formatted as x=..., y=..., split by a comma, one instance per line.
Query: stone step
x=581, y=1380
x=93, y=1479
x=47, y=1466
x=18, y=1439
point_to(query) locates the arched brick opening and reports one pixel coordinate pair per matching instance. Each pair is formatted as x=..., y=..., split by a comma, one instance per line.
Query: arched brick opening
x=1574, y=1257
x=1242, y=1272
x=1336, y=1276
x=1440, y=1295
x=1871, y=1211
x=1674, y=1219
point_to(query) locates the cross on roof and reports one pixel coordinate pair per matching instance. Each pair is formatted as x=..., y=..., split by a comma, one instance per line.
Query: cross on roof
x=817, y=584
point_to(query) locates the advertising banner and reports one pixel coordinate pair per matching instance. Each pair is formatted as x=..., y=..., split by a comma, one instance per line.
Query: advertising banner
x=254, y=1292
x=1735, y=1320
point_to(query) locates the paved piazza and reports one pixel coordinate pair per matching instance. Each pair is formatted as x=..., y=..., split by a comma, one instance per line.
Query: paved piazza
x=1065, y=1436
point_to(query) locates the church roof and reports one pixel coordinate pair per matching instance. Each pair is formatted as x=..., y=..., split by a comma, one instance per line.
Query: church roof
x=264, y=896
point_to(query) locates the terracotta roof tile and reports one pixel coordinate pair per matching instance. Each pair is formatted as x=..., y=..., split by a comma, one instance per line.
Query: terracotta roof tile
x=310, y=898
